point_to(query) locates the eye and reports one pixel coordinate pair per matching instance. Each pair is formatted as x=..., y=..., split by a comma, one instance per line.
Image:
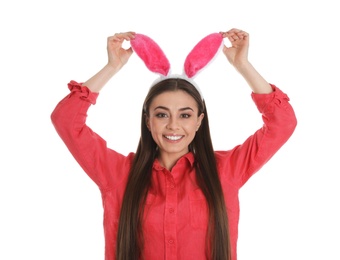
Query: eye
x=185, y=115
x=161, y=115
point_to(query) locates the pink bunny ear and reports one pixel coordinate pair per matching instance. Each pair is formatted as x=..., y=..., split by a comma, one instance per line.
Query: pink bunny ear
x=152, y=55
x=202, y=54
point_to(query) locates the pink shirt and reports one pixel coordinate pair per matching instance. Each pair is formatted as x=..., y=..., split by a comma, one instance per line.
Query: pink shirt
x=176, y=216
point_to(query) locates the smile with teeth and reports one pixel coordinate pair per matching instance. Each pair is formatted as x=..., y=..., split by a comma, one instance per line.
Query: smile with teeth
x=173, y=137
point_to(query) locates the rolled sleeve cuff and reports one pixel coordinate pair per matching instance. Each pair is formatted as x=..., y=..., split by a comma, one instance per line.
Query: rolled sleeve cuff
x=263, y=101
x=83, y=92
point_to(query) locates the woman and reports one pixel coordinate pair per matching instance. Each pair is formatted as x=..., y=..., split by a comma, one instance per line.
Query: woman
x=175, y=197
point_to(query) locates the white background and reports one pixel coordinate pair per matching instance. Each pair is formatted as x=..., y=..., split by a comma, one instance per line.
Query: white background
x=51, y=210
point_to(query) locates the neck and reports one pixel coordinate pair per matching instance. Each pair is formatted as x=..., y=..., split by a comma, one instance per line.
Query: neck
x=169, y=160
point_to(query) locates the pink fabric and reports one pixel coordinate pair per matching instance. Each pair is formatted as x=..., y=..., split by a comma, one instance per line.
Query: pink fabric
x=156, y=61
x=202, y=54
x=152, y=55
x=176, y=217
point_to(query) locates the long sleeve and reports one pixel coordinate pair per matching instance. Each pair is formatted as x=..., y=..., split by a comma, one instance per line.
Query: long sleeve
x=102, y=164
x=279, y=123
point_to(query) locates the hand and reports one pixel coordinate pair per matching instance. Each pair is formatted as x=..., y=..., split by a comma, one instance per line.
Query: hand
x=118, y=56
x=237, y=54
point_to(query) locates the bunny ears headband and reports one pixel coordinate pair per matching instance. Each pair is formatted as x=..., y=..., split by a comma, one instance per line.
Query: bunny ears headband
x=156, y=61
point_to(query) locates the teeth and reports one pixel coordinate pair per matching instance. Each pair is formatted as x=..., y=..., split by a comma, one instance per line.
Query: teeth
x=173, y=137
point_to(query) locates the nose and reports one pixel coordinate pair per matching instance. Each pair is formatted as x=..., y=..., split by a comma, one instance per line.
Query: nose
x=173, y=124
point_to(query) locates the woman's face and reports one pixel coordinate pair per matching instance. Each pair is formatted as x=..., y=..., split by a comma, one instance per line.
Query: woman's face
x=173, y=121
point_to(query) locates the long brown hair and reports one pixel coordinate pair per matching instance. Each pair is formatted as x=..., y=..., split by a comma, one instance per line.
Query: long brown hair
x=130, y=234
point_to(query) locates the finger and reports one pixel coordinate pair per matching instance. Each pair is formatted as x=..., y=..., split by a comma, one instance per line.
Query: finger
x=234, y=30
x=231, y=35
x=227, y=35
x=129, y=51
x=114, y=38
x=238, y=36
x=235, y=36
x=224, y=34
x=127, y=35
x=123, y=36
x=242, y=34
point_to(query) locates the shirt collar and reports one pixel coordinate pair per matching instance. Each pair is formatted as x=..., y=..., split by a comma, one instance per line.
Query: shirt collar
x=187, y=158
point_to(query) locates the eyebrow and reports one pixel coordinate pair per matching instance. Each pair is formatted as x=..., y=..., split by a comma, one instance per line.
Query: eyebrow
x=181, y=109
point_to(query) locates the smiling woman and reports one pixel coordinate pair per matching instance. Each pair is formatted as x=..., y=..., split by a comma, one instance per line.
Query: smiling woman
x=175, y=197
x=173, y=119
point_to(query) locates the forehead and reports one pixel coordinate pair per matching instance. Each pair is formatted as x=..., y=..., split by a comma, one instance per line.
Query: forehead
x=174, y=100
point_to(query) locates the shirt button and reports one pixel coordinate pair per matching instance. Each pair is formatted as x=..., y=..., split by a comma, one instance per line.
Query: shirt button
x=171, y=241
x=172, y=186
x=171, y=210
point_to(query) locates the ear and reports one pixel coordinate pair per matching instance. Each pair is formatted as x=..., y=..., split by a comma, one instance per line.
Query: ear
x=147, y=121
x=151, y=54
x=200, y=118
x=202, y=54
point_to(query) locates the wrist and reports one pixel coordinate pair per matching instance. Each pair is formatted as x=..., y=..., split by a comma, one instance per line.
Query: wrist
x=97, y=82
x=243, y=66
x=111, y=69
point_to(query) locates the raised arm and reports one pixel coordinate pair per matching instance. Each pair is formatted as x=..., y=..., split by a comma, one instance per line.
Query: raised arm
x=102, y=164
x=279, y=120
x=237, y=55
x=117, y=58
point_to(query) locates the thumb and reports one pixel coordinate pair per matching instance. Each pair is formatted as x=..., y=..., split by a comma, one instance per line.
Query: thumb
x=126, y=54
x=225, y=50
x=129, y=51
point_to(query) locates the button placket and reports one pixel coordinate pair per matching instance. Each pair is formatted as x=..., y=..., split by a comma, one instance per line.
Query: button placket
x=170, y=218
